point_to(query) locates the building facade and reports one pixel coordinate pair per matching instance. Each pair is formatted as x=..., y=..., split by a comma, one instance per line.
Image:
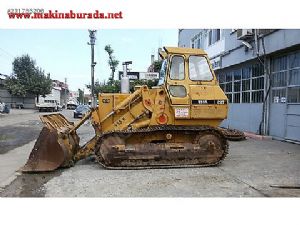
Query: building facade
x=259, y=70
x=59, y=92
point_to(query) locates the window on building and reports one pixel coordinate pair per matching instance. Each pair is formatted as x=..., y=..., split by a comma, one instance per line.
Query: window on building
x=257, y=96
x=279, y=64
x=236, y=97
x=222, y=86
x=258, y=83
x=214, y=35
x=218, y=34
x=221, y=77
x=278, y=95
x=229, y=96
x=236, y=85
x=294, y=95
x=285, y=78
x=209, y=37
x=198, y=41
x=244, y=85
x=246, y=72
x=245, y=97
x=228, y=87
x=279, y=79
x=294, y=77
x=294, y=60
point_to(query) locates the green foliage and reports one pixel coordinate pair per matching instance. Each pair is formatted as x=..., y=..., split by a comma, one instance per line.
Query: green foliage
x=115, y=86
x=28, y=78
x=81, y=96
x=157, y=65
x=14, y=87
x=40, y=84
x=149, y=83
x=108, y=87
x=112, y=62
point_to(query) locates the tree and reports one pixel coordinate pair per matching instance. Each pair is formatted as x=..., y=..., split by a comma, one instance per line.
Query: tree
x=28, y=78
x=106, y=87
x=157, y=65
x=149, y=83
x=81, y=96
x=115, y=86
x=14, y=87
x=40, y=84
x=112, y=62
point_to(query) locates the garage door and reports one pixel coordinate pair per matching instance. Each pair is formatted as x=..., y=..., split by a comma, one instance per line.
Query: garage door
x=285, y=97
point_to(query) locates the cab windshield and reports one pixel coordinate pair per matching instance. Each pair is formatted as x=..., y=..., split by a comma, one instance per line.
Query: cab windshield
x=162, y=72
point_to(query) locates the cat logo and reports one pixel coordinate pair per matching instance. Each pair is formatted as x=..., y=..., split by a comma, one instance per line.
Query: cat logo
x=106, y=100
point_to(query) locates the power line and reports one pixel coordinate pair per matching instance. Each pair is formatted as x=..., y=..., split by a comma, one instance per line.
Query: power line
x=7, y=52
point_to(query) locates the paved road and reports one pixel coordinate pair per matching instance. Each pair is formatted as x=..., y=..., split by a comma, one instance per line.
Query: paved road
x=248, y=171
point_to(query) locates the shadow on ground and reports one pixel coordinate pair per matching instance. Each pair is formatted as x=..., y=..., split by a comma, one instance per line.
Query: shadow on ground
x=29, y=185
x=12, y=137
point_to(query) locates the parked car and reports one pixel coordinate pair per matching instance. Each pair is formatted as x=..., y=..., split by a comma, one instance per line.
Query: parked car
x=59, y=108
x=81, y=110
x=4, y=108
x=71, y=105
x=48, y=106
x=2, y=105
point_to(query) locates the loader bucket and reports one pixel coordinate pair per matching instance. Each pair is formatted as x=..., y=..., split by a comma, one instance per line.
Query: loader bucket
x=55, y=146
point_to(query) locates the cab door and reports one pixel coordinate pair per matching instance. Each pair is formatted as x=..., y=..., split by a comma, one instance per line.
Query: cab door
x=177, y=86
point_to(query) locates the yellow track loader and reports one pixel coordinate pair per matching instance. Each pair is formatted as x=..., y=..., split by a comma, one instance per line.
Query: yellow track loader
x=174, y=124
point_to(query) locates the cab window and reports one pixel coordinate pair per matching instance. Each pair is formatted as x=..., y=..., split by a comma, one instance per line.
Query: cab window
x=177, y=91
x=177, y=68
x=162, y=73
x=199, y=69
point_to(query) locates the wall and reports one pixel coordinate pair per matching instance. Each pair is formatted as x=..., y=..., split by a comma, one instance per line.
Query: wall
x=246, y=117
x=28, y=101
x=235, y=51
x=186, y=35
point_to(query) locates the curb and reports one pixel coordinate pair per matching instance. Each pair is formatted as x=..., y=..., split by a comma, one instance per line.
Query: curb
x=257, y=136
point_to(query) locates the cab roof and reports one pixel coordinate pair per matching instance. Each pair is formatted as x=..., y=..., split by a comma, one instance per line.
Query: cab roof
x=188, y=51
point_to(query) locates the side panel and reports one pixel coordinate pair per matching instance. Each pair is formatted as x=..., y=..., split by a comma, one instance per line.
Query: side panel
x=208, y=102
x=107, y=102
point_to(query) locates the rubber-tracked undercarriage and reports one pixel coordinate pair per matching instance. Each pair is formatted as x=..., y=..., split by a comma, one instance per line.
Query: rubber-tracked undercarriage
x=172, y=125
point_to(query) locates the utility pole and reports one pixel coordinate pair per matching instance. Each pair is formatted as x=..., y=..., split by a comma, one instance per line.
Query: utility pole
x=92, y=43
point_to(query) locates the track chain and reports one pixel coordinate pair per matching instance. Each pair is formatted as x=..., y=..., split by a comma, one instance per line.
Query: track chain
x=163, y=128
x=233, y=134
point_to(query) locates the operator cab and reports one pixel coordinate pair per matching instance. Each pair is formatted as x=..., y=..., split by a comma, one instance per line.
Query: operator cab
x=191, y=84
x=190, y=67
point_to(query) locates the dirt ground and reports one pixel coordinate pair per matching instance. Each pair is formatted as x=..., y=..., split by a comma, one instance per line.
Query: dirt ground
x=250, y=170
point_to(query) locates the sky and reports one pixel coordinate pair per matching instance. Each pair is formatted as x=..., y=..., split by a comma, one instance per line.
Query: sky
x=66, y=54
